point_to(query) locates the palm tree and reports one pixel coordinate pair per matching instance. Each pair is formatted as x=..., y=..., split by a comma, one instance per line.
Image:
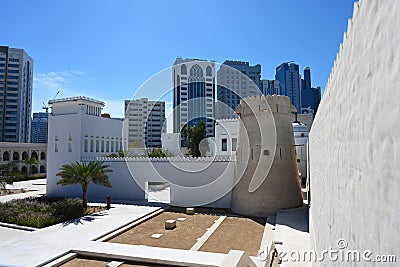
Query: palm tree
x=30, y=161
x=84, y=174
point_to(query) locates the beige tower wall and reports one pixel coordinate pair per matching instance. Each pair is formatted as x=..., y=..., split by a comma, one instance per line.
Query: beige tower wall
x=266, y=170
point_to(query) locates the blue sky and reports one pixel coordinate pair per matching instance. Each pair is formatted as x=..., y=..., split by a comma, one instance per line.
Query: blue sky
x=107, y=49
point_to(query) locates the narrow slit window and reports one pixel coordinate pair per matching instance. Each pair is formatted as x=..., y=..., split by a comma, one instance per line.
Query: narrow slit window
x=224, y=144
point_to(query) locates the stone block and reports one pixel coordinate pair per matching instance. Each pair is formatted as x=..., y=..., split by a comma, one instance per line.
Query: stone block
x=190, y=211
x=170, y=224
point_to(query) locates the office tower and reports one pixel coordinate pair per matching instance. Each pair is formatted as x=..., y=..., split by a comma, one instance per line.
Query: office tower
x=307, y=77
x=236, y=79
x=146, y=120
x=307, y=94
x=317, y=98
x=310, y=96
x=194, y=93
x=16, y=75
x=271, y=87
x=289, y=78
x=39, y=127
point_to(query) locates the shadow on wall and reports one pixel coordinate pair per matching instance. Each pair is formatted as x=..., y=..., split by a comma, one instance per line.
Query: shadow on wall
x=294, y=218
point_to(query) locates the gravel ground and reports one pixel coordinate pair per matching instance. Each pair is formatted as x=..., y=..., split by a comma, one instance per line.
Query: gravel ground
x=184, y=236
x=236, y=233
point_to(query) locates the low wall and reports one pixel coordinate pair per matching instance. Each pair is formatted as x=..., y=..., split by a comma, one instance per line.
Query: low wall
x=194, y=182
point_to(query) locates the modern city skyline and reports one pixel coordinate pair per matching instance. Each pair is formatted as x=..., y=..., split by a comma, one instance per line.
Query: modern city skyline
x=310, y=96
x=16, y=78
x=126, y=27
x=194, y=93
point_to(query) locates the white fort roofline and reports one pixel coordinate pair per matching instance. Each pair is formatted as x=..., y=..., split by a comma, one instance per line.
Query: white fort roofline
x=76, y=98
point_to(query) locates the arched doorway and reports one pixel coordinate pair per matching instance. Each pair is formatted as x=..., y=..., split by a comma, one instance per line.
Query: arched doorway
x=15, y=156
x=42, y=169
x=6, y=156
x=24, y=170
x=24, y=155
x=43, y=156
x=34, y=155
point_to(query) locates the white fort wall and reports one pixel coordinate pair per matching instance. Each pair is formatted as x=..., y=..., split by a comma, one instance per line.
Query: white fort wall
x=354, y=144
x=195, y=182
x=66, y=143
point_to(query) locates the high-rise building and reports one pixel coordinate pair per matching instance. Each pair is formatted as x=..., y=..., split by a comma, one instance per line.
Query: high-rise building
x=146, y=122
x=39, y=127
x=290, y=81
x=310, y=96
x=16, y=76
x=317, y=98
x=236, y=79
x=271, y=87
x=307, y=77
x=194, y=93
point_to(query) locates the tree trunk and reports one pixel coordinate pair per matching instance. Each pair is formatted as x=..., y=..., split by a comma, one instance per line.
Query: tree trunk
x=84, y=196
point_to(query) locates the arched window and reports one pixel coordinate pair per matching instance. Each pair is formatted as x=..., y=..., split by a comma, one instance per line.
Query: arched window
x=24, y=155
x=208, y=71
x=183, y=69
x=34, y=155
x=196, y=71
x=42, y=155
x=15, y=155
x=6, y=156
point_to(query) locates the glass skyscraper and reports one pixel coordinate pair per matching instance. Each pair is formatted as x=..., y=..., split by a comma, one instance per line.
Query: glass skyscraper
x=194, y=93
x=39, y=127
x=290, y=82
x=16, y=76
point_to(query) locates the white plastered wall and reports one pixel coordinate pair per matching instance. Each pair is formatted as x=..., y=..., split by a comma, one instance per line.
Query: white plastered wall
x=355, y=138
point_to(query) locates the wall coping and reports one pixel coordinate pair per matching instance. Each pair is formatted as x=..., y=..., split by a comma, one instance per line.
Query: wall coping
x=167, y=159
